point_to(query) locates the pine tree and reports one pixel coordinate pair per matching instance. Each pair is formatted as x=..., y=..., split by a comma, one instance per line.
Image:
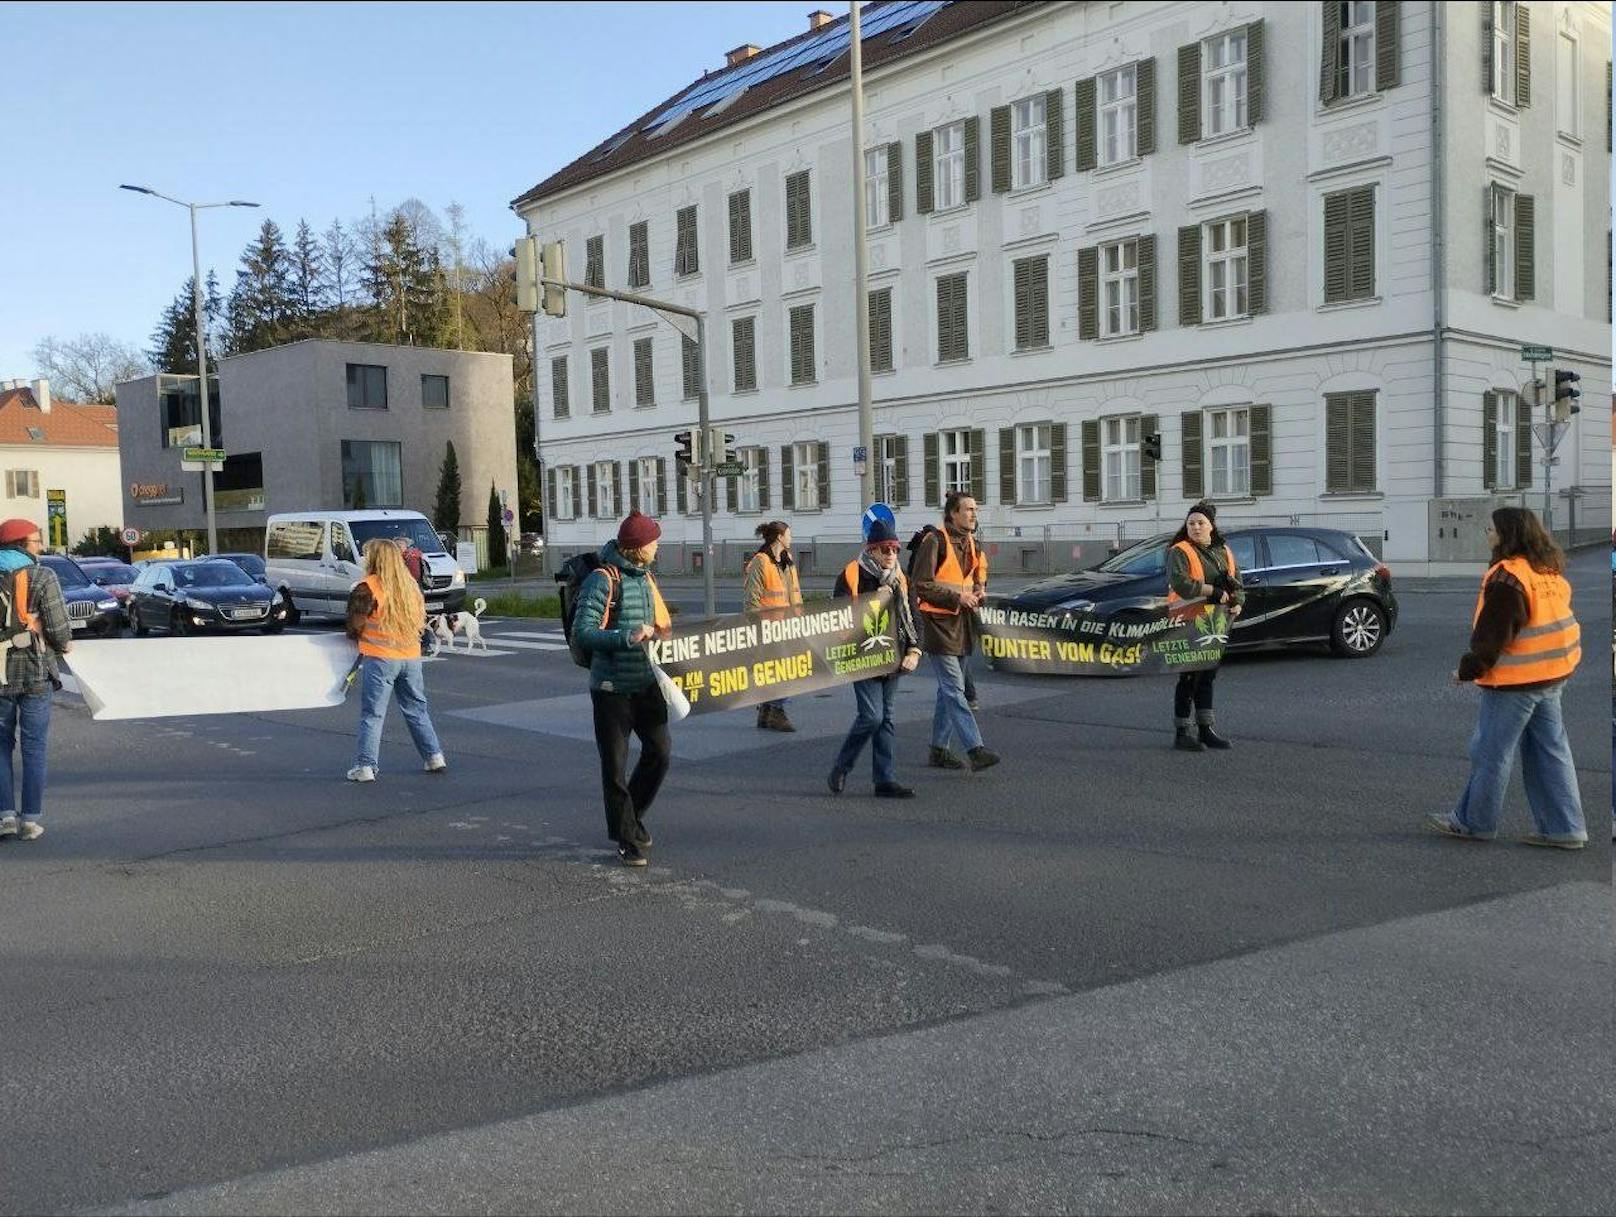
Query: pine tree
x=446, y=511
x=498, y=546
x=173, y=346
x=307, y=282
x=262, y=308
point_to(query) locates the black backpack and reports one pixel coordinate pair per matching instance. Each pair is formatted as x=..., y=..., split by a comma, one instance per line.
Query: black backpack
x=571, y=577
x=914, y=548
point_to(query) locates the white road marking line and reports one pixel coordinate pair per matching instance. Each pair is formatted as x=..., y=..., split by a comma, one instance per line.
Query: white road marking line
x=552, y=635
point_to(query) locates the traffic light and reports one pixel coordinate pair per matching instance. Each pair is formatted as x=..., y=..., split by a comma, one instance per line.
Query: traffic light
x=1153, y=448
x=553, y=261
x=1566, y=394
x=526, y=253
x=687, y=448
x=720, y=444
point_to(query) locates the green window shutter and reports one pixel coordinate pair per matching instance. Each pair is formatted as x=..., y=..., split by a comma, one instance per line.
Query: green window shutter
x=1262, y=450
x=1007, y=466
x=1256, y=74
x=1489, y=254
x=1147, y=467
x=895, y=181
x=788, y=484
x=763, y=478
x=1189, y=275
x=1038, y=297
x=1055, y=133
x=600, y=388
x=979, y=465
x=1337, y=442
x=1088, y=292
x=634, y=487
x=900, y=462
x=1147, y=282
x=594, y=493
x=639, y=254
x=799, y=211
x=644, y=382
x=1145, y=105
x=1257, y=262
x=1189, y=435
x=952, y=340
x=881, y=330
x=685, y=259
x=1489, y=440
x=973, y=159
x=617, y=490
x=740, y=226
x=1386, y=49
x=1610, y=112
x=595, y=261
x=688, y=371
x=933, y=487
x=550, y=482
x=558, y=387
x=1486, y=9
x=1525, y=247
x=824, y=475
x=577, y=494
x=1523, y=55
x=1085, y=158
x=923, y=174
x=1057, y=462
x=681, y=486
x=1189, y=91
x=731, y=490
x=743, y=353
x=1362, y=227
x=1523, y=443
x=999, y=147
x=1337, y=280
x=1330, y=52
x=1022, y=307
x=1362, y=407
x=1091, y=460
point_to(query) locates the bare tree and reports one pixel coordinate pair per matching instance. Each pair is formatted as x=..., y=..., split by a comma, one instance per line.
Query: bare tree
x=340, y=271
x=86, y=368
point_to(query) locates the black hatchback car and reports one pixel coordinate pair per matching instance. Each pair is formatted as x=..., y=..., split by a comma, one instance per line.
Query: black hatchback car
x=1303, y=585
x=208, y=594
x=91, y=608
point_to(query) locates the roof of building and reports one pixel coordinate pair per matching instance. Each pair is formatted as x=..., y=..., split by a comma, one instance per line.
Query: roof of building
x=814, y=60
x=69, y=424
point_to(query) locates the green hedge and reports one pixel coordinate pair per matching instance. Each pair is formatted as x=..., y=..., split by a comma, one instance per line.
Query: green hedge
x=515, y=604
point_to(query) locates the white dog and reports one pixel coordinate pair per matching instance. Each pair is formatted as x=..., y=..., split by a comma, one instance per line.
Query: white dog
x=467, y=624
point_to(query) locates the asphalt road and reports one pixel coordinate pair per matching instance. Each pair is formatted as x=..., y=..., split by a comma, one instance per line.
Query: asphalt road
x=1103, y=976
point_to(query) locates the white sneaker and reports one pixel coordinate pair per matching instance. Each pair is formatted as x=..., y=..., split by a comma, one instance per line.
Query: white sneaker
x=31, y=830
x=436, y=764
x=361, y=773
x=8, y=825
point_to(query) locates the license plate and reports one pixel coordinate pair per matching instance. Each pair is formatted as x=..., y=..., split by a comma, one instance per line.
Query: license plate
x=239, y=614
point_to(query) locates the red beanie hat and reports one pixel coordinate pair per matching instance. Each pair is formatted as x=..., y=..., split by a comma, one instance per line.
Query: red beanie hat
x=637, y=530
x=17, y=529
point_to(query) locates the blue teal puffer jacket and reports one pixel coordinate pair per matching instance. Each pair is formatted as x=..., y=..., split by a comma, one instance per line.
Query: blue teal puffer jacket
x=616, y=666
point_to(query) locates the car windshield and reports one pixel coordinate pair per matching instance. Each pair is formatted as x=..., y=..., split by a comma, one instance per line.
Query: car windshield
x=211, y=574
x=418, y=531
x=251, y=563
x=113, y=572
x=1144, y=558
x=67, y=573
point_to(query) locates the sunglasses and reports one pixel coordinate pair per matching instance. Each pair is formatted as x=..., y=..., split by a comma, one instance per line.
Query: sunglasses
x=886, y=547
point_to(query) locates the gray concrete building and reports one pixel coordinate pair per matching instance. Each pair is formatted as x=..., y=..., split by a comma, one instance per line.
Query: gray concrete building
x=320, y=425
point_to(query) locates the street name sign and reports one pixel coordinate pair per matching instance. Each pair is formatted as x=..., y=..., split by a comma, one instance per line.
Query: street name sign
x=1536, y=354
x=729, y=469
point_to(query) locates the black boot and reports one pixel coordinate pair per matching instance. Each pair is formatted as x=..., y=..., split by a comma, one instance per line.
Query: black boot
x=942, y=758
x=763, y=717
x=1212, y=739
x=1184, y=739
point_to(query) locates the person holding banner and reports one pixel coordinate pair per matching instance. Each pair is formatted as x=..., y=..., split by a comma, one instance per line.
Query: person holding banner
x=620, y=609
x=771, y=585
x=37, y=631
x=1200, y=567
x=943, y=573
x=877, y=567
x=386, y=614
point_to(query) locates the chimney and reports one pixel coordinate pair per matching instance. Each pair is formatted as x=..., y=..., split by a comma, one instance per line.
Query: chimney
x=741, y=54
x=818, y=19
x=42, y=395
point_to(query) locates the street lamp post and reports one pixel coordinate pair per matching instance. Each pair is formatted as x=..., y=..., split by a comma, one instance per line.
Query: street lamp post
x=201, y=345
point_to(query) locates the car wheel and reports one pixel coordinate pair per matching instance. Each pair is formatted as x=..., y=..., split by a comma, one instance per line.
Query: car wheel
x=274, y=627
x=177, y=625
x=1360, y=628
x=293, y=613
x=135, y=624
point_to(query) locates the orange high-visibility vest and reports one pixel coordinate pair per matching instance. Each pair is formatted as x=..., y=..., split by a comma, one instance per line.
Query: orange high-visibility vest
x=780, y=590
x=981, y=566
x=659, y=608
x=851, y=573
x=375, y=643
x=1197, y=572
x=19, y=600
x=951, y=574
x=1550, y=645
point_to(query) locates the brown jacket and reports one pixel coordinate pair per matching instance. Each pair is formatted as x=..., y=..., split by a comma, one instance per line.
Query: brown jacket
x=939, y=634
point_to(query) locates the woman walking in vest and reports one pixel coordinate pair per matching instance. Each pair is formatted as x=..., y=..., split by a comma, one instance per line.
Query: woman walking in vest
x=876, y=696
x=1524, y=643
x=619, y=610
x=386, y=615
x=37, y=615
x=1200, y=566
x=771, y=584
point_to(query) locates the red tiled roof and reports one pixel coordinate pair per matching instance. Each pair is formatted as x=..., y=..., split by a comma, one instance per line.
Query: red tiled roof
x=631, y=144
x=68, y=425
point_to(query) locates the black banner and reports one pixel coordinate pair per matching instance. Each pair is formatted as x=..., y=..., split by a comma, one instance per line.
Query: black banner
x=1133, y=642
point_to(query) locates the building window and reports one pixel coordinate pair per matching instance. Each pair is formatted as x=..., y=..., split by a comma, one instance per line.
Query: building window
x=1355, y=62
x=1119, y=116
x=748, y=489
x=639, y=254
x=799, y=211
x=805, y=472
x=1349, y=245
x=22, y=483
x=1032, y=303
x=435, y=392
x=1565, y=86
x=1229, y=452
x=690, y=368
x=954, y=448
x=887, y=450
x=1223, y=102
x=1033, y=463
x=595, y=262
x=180, y=414
x=1503, y=261
x=686, y=256
x=877, y=190
x=647, y=482
x=606, y=504
x=1505, y=415
x=1349, y=443
x=743, y=343
x=881, y=330
x=372, y=474
x=1224, y=246
x=948, y=166
x=644, y=373
x=600, y=385
x=953, y=318
x=801, y=327
x=1503, y=55
x=1119, y=288
x=560, y=403
x=740, y=226
x=1120, y=453
x=1029, y=143
x=367, y=387
x=566, y=492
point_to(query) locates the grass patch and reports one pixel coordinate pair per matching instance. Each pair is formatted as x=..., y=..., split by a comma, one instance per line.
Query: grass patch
x=515, y=604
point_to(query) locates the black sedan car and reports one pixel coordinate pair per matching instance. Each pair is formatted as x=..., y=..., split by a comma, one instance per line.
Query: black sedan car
x=1303, y=585
x=91, y=609
x=251, y=563
x=208, y=594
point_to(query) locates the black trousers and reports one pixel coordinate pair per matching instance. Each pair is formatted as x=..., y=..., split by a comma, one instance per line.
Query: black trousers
x=1194, y=688
x=617, y=716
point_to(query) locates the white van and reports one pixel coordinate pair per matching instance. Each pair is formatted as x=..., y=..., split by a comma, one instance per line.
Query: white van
x=315, y=558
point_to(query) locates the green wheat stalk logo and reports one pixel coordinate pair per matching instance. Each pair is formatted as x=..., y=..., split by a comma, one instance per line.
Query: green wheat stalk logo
x=877, y=621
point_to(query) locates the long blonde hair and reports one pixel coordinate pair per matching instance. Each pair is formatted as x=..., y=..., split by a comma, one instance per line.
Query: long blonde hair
x=403, y=612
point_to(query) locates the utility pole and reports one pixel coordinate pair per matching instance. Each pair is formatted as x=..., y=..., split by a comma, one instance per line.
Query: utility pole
x=861, y=294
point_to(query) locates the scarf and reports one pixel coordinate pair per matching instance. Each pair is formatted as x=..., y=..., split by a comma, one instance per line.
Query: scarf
x=887, y=577
x=14, y=559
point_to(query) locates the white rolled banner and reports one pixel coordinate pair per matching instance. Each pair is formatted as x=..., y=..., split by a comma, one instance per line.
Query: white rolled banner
x=165, y=677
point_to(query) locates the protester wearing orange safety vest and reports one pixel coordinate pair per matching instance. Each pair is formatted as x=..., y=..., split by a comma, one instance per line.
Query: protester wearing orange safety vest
x=1200, y=569
x=942, y=573
x=36, y=631
x=386, y=615
x=771, y=586
x=1524, y=645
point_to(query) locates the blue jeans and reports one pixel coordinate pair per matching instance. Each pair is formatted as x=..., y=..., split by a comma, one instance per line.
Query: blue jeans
x=32, y=711
x=1530, y=720
x=379, y=680
x=875, y=699
x=953, y=714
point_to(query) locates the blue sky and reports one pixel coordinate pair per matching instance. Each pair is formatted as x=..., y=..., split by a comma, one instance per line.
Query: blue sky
x=308, y=109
